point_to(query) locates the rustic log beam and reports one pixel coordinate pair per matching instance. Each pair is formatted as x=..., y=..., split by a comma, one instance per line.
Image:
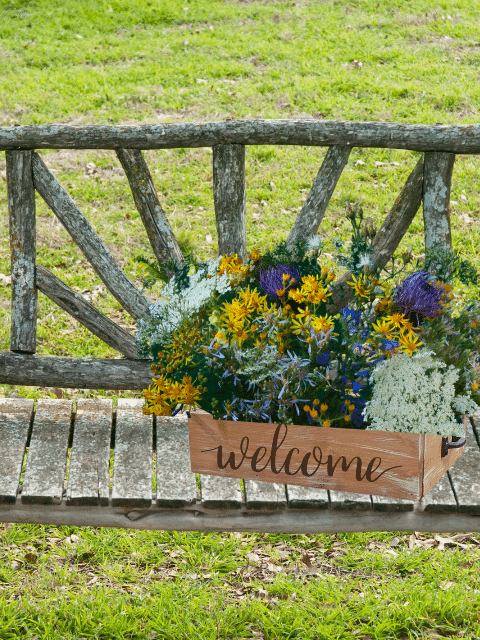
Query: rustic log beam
x=229, y=198
x=314, y=207
x=390, y=233
x=323, y=133
x=80, y=309
x=21, y=209
x=87, y=239
x=73, y=373
x=437, y=178
x=159, y=231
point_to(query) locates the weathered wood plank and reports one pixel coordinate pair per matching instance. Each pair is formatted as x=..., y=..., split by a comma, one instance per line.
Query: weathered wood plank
x=437, y=178
x=380, y=503
x=389, y=235
x=441, y=498
x=88, y=479
x=314, y=207
x=220, y=493
x=47, y=455
x=345, y=501
x=15, y=419
x=301, y=521
x=73, y=373
x=21, y=210
x=229, y=198
x=465, y=475
x=80, y=309
x=133, y=461
x=159, y=231
x=88, y=241
x=176, y=484
x=264, y=495
x=306, y=497
x=323, y=133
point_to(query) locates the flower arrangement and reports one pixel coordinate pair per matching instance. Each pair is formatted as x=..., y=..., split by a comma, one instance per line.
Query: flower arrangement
x=261, y=340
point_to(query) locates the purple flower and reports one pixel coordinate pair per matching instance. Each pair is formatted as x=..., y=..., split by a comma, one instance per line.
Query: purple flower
x=271, y=280
x=418, y=294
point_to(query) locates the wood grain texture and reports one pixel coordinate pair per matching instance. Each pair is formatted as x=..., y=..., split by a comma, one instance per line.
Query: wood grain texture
x=465, y=476
x=15, y=419
x=88, y=479
x=133, y=462
x=314, y=207
x=436, y=199
x=159, y=231
x=229, y=198
x=306, y=497
x=73, y=373
x=88, y=241
x=389, y=235
x=365, y=462
x=80, y=309
x=323, y=133
x=21, y=214
x=47, y=455
x=264, y=495
x=176, y=484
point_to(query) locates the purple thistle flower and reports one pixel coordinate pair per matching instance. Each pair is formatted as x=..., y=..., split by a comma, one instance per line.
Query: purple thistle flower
x=419, y=295
x=271, y=280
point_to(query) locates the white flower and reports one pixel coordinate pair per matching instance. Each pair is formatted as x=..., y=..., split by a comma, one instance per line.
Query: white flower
x=416, y=395
x=364, y=260
x=314, y=242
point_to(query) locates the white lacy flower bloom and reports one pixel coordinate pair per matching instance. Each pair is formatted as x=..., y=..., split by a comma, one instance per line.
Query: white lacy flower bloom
x=416, y=395
x=315, y=242
x=365, y=260
x=166, y=315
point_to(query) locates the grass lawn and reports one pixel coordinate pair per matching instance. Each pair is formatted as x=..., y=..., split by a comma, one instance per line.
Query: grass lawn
x=157, y=61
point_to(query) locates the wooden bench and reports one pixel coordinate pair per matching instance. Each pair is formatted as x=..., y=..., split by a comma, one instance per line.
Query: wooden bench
x=96, y=465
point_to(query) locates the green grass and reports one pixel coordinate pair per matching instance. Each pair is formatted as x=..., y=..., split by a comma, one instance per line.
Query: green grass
x=158, y=61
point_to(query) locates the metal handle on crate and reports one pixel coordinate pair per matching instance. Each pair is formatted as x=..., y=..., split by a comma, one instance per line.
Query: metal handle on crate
x=455, y=444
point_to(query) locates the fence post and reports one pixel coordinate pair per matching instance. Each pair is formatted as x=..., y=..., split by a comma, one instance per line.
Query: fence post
x=229, y=198
x=437, y=177
x=21, y=209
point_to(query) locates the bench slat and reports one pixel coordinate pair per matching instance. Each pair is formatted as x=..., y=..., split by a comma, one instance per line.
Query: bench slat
x=465, y=475
x=220, y=493
x=132, y=467
x=306, y=497
x=176, y=484
x=47, y=455
x=15, y=418
x=88, y=480
x=380, y=503
x=441, y=498
x=269, y=495
x=345, y=500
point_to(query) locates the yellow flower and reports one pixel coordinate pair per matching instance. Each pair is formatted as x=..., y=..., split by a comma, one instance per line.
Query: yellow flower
x=474, y=386
x=359, y=286
x=321, y=323
x=409, y=342
x=324, y=406
x=296, y=295
x=347, y=418
x=314, y=413
x=327, y=423
x=398, y=320
x=384, y=327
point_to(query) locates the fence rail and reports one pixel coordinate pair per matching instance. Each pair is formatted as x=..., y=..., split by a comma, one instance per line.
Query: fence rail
x=428, y=183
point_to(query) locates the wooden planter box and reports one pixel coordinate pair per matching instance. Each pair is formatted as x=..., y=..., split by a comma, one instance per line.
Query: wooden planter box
x=397, y=465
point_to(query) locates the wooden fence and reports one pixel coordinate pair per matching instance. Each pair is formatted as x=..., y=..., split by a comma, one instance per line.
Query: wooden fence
x=429, y=182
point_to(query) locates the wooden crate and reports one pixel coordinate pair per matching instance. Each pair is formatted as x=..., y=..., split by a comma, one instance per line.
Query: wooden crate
x=397, y=465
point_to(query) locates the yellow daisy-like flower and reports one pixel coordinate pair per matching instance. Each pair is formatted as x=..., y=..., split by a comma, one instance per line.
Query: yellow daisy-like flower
x=322, y=323
x=359, y=286
x=296, y=295
x=408, y=343
x=398, y=320
x=383, y=327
